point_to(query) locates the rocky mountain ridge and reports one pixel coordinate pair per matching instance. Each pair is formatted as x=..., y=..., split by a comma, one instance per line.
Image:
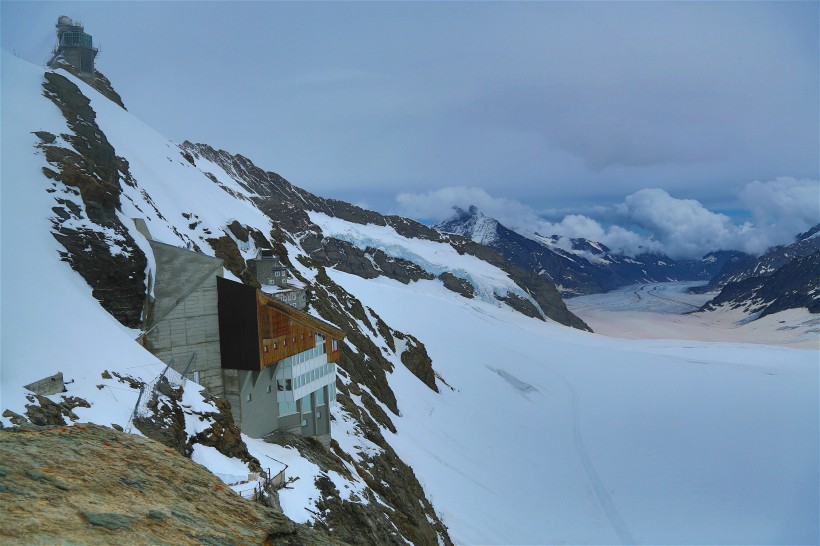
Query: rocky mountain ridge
x=578, y=266
x=744, y=267
x=288, y=205
x=792, y=286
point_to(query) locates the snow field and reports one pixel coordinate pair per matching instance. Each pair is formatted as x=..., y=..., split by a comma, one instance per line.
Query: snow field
x=615, y=442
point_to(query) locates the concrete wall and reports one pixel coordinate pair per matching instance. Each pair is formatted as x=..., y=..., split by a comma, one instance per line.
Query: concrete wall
x=80, y=58
x=259, y=407
x=314, y=418
x=52, y=384
x=192, y=326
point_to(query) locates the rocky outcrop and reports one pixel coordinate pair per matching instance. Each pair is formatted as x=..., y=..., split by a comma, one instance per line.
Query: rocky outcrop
x=42, y=411
x=416, y=359
x=745, y=267
x=85, y=174
x=165, y=423
x=793, y=286
x=98, y=82
x=523, y=306
x=88, y=484
x=226, y=249
x=457, y=284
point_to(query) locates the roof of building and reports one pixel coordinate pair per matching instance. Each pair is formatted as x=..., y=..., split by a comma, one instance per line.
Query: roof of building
x=299, y=316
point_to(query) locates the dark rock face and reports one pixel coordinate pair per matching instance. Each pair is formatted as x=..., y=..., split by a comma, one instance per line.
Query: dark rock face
x=226, y=249
x=525, y=307
x=417, y=360
x=223, y=434
x=745, y=267
x=166, y=422
x=43, y=412
x=457, y=285
x=87, y=190
x=166, y=425
x=99, y=82
x=792, y=286
x=386, y=476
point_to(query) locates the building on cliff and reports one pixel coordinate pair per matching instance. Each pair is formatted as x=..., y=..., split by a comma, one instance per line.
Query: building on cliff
x=274, y=280
x=74, y=46
x=273, y=362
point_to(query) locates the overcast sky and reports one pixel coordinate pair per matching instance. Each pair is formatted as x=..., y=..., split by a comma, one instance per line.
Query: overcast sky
x=575, y=117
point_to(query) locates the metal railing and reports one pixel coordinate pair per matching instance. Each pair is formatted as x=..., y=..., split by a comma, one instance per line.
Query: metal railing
x=264, y=487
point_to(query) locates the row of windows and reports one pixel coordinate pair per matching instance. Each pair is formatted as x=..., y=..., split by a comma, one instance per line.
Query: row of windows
x=304, y=356
x=289, y=408
x=285, y=384
x=293, y=340
x=75, y=39
x=287, y=296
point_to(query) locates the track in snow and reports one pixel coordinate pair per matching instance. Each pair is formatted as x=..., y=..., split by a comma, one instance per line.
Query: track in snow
x=598, y=487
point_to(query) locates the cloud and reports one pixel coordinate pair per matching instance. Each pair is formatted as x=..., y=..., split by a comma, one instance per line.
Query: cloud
x=684, y=227
x=437, y=205
x=649, y=220
x=782, y=207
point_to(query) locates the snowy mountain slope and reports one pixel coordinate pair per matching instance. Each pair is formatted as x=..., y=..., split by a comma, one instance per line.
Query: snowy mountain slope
x=795, y=285
x=287, y=204
x=577, y=266
x=585, y=439
x=741, y=269
x=506, y=428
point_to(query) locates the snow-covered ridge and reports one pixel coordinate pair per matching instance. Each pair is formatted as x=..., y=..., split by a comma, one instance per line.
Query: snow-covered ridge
x=435, y=258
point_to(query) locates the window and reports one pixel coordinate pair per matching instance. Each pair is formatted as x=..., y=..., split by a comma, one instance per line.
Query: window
x=269, y=389
x=287, y=408
x=248, y=397
x=320, y=397
x=334, y=345
x=306, y=407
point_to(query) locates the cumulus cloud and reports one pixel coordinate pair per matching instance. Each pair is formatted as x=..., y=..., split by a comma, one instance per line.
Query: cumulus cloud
x=780, y=209
x=684, y=227
x=649, y=220
x=437, y=205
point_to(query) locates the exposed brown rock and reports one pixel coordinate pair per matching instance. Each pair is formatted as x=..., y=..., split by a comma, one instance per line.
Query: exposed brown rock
x=88, y=484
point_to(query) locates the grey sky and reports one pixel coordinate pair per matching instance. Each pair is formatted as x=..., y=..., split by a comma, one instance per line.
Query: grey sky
x=557, y=105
